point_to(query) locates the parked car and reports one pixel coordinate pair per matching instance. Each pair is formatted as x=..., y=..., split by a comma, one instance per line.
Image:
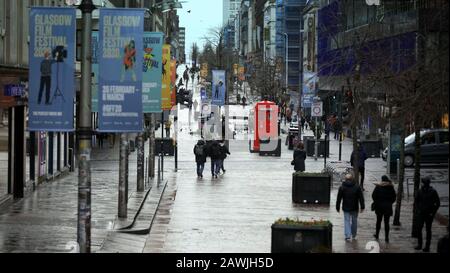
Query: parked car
x=434, y=147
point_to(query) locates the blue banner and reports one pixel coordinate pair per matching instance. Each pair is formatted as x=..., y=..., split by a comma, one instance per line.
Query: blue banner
x=152, y=72
x=203, y=95
x=218, y=87
x=52, y=72
x=95, y=55
x=120, y=70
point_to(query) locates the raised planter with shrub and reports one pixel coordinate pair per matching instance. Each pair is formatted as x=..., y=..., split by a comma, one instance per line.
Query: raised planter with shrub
x=311, y=188
x=295, y=236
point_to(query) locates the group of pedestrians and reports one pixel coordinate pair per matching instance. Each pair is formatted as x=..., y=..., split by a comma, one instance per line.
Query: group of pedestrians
x=217, y=151
x=351, y=197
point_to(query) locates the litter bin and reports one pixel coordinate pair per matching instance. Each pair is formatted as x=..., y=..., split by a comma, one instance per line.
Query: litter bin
x=292, y=135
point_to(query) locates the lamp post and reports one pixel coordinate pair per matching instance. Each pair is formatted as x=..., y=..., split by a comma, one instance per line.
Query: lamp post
x=84, y=133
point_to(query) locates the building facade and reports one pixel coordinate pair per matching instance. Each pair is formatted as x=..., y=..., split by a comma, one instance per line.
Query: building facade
x=230, y=10
x=182, y=41
x=289, y=26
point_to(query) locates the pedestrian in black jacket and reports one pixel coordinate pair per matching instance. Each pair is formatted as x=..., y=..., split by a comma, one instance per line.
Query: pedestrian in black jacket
x=383, y=197
x=224, y=151
x=351, y=196
x=427, y=203
x=299, y=158
x=361, y=164
x=200, y=153
x=215, y=152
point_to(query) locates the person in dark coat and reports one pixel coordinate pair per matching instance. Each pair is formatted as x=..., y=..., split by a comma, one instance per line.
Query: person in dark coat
x=362, y=157
x=352, y=198
x=215, y=153
x=200, y=157
x=299, y=158
x=383, y=197
x=427, y=203
x=224, y=152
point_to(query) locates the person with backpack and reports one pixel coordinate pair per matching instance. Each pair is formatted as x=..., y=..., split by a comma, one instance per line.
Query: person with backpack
x=223, y=155
x=360, y=164
x=215, y=152
x=200, y=157
x=427, y=202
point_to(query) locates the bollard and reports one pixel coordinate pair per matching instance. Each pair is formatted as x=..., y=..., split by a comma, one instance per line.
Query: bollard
x=146, y=172
x=71, y=163
x=159, y=169
x=398, y=170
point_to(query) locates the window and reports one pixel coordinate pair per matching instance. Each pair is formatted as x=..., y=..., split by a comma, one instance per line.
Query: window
x=443, y=137
x=428, y=139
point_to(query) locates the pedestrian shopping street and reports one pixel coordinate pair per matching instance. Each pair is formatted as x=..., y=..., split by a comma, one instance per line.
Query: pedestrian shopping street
x=184, y=214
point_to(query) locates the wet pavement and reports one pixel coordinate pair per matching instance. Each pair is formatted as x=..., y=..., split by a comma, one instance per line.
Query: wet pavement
x=234, y=213
x=227, y=215
x=46, y=221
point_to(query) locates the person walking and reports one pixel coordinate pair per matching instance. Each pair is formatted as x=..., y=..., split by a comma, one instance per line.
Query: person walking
x=224, y=151
x=244, y=101
x=302, y=122
x=167, y=125
x=360, y=165
x=351, y=196
x=216, y=155
x=383, y=197
x=427, y=203
x=299, y=158
x=186, y=76
x=200, y=157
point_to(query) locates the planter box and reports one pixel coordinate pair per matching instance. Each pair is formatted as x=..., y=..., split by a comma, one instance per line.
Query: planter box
x=373, y=148
x=168, y=147
x=305, y=139
x=301, y=239
x=310, y=142
x=314, y=189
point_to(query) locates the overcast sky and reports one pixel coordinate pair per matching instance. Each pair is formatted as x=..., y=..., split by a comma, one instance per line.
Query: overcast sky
x=205, y=14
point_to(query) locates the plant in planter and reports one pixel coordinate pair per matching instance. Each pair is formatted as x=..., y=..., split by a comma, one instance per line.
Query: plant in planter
x=312, y=188
x=296, y=236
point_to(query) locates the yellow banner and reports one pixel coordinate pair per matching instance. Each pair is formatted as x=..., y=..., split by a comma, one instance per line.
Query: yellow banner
x=166, y=103
x=241, y=73
x=173, y=71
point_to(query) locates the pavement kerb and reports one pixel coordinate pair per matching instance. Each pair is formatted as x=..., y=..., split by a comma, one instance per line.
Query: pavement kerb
x=146, y=230
x=137, y=212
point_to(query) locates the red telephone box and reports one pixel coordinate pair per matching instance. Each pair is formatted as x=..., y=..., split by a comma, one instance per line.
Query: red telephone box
x=266, y=123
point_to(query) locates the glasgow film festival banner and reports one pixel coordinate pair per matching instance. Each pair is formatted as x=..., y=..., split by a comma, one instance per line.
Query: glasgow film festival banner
x=166, y=79
x=120, y=70
x=52, y=72
x=94, y=90
x=173, y=82
x=152, y=74
x=218, y=88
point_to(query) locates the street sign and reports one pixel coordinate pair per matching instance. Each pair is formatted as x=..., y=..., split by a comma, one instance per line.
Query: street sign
x=205, y=110
x=14, y=90
x=317, y=109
